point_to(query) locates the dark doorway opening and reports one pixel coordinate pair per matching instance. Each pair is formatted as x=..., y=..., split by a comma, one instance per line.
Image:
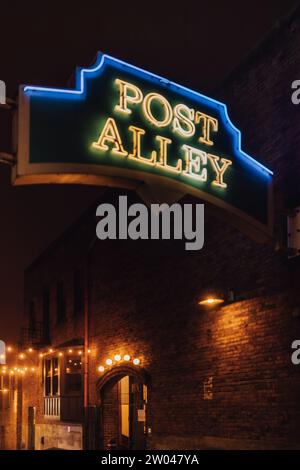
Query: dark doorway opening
x=123, y=399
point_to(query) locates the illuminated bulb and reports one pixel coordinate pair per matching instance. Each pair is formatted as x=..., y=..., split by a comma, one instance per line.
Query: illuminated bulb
x=21, y=356
x=79, y=352
x=50, y=350
x=89, y=351
x=33, y=369
x=109, y=362
x=136, y=361
x=15, y=368
x=117, y=357
x=60, y=354
x=30, y=350
x=211, y=301
x=101, y=369
x=126, y=357
x=25, y=368
x=70, y=350
x=12, y=372
x=41, y=354
x=9, y=348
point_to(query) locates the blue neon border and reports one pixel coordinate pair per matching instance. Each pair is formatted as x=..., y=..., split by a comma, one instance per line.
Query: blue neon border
x=79, y=92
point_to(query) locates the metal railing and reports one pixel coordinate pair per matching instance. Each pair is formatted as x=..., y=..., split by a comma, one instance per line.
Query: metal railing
x=52, y=407
x=65, y=408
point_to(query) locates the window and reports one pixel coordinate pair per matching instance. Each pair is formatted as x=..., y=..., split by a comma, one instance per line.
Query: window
x=125, y=405
x=60, y=301
x=73, y=379
x=6, y=392
x=78, y=286
x=51, y=373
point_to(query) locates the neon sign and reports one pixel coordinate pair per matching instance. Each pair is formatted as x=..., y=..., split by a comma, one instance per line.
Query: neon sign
x=125, y=127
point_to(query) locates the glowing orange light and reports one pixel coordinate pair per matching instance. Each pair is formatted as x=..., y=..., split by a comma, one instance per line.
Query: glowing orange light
x=70, y=350
x=126, y=357
x=101, y=369
x=21, y=356
x=117, y=357
x=136, y=361
x=211, y=301
x=109, y=362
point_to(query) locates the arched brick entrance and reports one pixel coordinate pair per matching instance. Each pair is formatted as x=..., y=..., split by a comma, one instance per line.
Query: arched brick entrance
x=122, y=394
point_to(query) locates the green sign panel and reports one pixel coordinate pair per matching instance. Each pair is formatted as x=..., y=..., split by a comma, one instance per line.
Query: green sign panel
x=123, y=126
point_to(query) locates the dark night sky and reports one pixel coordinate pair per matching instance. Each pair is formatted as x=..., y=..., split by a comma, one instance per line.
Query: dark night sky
x=196, y=44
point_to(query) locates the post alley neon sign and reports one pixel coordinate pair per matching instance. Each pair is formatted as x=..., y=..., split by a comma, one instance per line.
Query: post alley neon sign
x=122, y=126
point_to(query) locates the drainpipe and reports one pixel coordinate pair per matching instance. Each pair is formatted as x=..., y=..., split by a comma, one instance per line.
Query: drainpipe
x=86, y=332
x=86, y=396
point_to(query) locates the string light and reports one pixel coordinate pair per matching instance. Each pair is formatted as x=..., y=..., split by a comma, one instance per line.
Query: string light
x=22, y=369
x=117, y=357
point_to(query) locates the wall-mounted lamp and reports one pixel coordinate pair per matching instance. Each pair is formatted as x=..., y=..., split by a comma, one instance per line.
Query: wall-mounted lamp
x=211, y=297
x=214, y=297
x=211, y=301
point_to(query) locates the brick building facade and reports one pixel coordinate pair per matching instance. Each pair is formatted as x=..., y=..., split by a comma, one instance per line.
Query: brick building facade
x=218, y=377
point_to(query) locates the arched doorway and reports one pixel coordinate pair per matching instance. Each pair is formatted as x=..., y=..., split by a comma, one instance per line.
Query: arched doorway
x=122, y=393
